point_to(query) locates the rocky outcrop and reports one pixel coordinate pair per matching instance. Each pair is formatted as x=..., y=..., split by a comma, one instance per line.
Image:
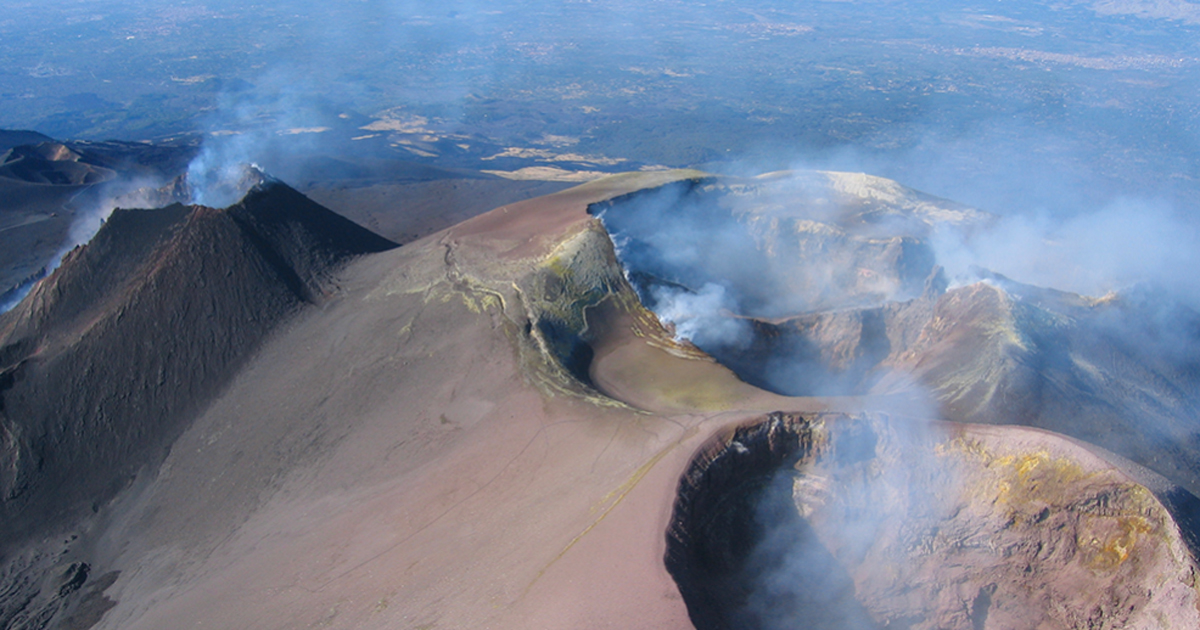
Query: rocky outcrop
x=713, y=529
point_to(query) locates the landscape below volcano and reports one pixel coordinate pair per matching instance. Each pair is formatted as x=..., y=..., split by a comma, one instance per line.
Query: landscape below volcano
x=660, y=399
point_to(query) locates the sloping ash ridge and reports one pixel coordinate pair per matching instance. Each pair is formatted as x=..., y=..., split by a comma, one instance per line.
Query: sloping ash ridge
x=107, y=359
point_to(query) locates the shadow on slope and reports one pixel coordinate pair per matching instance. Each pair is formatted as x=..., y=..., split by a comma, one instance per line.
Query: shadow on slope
x=108, y=358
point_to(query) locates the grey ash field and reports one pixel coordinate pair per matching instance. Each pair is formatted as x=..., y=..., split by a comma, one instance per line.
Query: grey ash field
x=599, y=315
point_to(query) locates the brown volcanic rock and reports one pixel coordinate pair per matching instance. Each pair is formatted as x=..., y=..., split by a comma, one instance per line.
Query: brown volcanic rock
x=876, y=317
x=860, y=521
x=107, y=358
x=837, y=352
x=1115, y=372
x=483, y=428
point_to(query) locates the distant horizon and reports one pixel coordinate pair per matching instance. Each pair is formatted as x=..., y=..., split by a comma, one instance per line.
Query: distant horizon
x=1009, y=108
x=512, y=314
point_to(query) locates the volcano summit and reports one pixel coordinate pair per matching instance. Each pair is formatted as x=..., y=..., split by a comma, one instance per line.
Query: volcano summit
x=267, y=416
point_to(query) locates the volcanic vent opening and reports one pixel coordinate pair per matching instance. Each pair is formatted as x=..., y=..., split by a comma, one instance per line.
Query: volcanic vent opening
x=789, y=281
x=855, y=522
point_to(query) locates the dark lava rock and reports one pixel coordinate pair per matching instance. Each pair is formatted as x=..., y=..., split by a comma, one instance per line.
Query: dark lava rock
x=111, y=356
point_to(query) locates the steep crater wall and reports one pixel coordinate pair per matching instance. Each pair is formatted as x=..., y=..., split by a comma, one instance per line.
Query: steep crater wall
x=570, y=298
x=795, y=294
x=864, y=521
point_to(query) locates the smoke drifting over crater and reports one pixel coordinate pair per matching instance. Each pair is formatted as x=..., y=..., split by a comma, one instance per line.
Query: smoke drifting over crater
x=279, y=125
x=441, y=408
x=834, y=284
x=865, y=522
x=220, y=185
x=731, y=264
x=1125, y=243
x=721, y=261
x=783, y=244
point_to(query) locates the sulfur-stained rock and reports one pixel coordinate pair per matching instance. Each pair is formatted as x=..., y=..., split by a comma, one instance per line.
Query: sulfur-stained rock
x=859, y=521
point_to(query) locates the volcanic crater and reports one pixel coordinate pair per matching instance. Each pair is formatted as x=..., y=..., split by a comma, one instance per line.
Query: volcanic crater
x=828, y=288
x=867, y=521
x=858, y=519
x=274, y=409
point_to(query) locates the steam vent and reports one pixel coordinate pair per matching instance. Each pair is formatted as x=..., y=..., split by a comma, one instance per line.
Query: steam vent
x=833, y=521
x=662, y=399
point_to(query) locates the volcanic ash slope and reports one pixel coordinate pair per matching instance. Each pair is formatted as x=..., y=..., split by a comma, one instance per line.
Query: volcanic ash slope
x=47, y=187
x=105, y=363
x=486, y=428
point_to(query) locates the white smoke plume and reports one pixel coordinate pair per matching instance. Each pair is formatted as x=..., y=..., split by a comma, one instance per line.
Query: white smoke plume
x=219, y=181
x=703, y=316
x=699, y=265
x=274, y=128
x=93, y=209
x=1094, y=253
